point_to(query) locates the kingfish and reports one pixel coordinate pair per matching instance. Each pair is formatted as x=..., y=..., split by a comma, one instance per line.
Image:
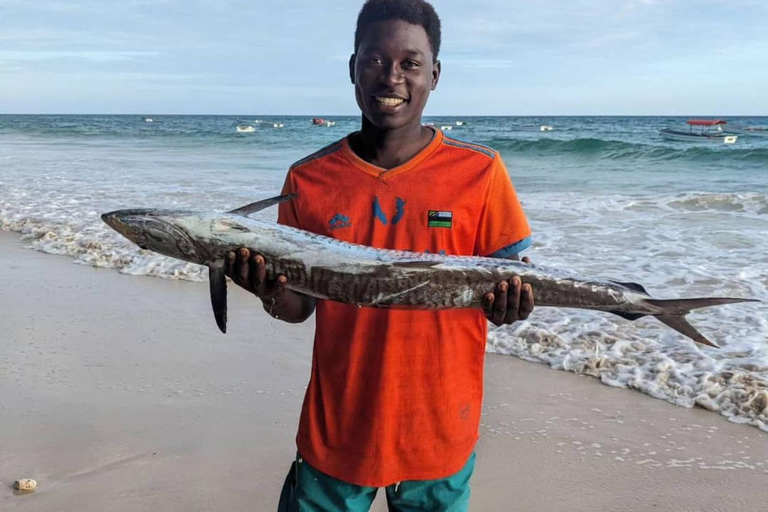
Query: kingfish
x=326, y=268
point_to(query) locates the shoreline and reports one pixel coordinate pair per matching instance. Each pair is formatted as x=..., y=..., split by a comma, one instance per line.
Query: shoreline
x=120, y=394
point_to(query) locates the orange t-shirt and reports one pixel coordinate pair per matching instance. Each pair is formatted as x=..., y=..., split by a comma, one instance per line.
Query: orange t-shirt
x=396, y=394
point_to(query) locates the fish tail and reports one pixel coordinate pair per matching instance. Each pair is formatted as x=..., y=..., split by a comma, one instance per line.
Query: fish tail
x=676, y=309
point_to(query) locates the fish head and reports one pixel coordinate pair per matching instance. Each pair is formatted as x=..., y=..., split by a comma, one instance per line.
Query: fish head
x=155, y=230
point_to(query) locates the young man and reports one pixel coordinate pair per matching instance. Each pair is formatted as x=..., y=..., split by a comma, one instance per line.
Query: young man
x=394, y=397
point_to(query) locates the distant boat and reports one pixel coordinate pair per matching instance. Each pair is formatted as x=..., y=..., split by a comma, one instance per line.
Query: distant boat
x=710, y=130
x=149, y=120
x=754, y=131
x=277, y=125
x=446, y=128
x=319, y=121
x=534, y=128
x=245, y=128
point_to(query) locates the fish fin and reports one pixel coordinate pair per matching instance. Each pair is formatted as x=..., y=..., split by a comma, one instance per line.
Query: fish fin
x=628, y=316
x=682, y=307
x=260, y=205
x=676, y=309
x=633, y=286
x=218, y=281
x=416, y=264
x=681, y=325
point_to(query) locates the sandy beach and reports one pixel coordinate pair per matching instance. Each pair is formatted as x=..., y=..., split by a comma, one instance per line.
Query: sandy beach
x=120, y=394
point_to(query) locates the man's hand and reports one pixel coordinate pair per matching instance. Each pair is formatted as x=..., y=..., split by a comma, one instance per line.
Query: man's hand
x=511, y=302
x=250, y=272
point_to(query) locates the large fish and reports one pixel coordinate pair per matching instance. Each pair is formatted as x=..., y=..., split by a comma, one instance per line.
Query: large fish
x=326, y=268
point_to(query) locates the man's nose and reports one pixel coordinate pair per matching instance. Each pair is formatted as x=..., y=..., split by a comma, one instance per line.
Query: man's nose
x=393, y=74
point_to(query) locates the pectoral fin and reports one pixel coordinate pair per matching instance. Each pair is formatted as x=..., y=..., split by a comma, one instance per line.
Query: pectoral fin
x=218, y=281
x=260, y=205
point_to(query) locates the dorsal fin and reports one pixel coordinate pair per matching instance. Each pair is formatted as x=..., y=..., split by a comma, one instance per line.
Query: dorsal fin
x=260, y=205
x=633, y=286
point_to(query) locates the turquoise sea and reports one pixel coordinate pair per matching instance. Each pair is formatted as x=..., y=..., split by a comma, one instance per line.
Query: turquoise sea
x=605, y=196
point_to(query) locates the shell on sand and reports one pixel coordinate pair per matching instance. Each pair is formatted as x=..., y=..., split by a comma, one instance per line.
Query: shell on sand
x=25, y=485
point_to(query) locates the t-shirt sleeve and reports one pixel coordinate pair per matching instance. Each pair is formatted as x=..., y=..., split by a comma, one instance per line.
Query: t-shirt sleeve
x=503, y=230
x=286, y=213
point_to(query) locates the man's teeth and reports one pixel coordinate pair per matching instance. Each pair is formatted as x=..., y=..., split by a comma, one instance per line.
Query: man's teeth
x=390, y=102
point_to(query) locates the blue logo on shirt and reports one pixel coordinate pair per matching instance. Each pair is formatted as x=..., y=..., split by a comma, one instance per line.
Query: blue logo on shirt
x=379, y=214
x=339, y=221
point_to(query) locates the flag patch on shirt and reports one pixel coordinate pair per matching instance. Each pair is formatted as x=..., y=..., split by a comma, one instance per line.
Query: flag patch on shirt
x=439, y=219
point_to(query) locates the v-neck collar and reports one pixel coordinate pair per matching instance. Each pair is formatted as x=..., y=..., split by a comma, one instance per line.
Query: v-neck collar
x=387, y=174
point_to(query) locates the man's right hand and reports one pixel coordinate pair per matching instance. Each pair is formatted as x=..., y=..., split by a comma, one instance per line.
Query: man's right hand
x=250, y=272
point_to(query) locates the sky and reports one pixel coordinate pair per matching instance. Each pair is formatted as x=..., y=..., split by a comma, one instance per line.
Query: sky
x=499, y=57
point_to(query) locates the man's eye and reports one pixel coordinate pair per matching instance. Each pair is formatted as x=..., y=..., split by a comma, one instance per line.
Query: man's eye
x=410, y=64
x=376, y=61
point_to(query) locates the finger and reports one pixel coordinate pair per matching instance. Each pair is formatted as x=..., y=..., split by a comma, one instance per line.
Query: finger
x=526, y=260
x=241, y=268
x=488, y=305
x=500, y=304
x=513, y=300
x=253, y=273
x=261, y=275
x=526, y=301
x=229, y=263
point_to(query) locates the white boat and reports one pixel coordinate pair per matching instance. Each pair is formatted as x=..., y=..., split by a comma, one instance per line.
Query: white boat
x=149, y=120
x=446, y=128
x=245, y=128
x=707, y=130
x=277, y=125
x=533, y=128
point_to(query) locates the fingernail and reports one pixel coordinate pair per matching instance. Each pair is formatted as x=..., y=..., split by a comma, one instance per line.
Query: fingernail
x=503, y=286
x=244, y=252
x=259, y=260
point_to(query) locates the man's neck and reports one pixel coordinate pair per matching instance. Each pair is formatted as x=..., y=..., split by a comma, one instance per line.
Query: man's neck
x=390, y=148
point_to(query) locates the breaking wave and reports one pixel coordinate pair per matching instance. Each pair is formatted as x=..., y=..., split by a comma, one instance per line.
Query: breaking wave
x=621, y=150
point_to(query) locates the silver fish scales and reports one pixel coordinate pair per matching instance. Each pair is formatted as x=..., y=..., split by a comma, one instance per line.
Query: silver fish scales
x=327, y=268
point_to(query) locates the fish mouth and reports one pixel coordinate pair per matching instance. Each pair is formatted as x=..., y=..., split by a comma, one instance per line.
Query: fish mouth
x=115, y=220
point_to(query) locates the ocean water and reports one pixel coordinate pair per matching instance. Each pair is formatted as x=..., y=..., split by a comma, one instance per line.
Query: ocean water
x=605, y=196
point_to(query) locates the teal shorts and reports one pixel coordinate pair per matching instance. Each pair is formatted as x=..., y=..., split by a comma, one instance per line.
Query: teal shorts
x=308, y=490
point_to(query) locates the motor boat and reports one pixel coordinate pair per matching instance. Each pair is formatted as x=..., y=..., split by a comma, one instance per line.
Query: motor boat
x=710, y=130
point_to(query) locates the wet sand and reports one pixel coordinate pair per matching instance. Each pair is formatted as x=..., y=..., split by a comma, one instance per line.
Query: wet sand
x=120, y=394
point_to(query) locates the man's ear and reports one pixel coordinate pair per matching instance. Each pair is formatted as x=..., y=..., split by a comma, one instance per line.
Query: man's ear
x=436, y=68
x=352, y=67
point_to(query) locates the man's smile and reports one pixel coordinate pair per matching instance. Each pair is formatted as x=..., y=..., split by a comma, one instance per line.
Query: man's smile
x=389, y=101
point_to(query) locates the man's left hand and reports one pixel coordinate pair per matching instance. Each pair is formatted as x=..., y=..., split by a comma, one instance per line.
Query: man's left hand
x=511, y=302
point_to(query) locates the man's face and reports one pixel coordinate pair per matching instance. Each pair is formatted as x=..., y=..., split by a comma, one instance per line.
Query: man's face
x=393, y=72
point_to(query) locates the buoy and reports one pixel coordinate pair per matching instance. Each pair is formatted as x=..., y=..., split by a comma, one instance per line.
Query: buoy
x=25, y=485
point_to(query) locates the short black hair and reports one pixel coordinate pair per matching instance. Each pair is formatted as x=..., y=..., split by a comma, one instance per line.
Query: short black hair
x=415, y=12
